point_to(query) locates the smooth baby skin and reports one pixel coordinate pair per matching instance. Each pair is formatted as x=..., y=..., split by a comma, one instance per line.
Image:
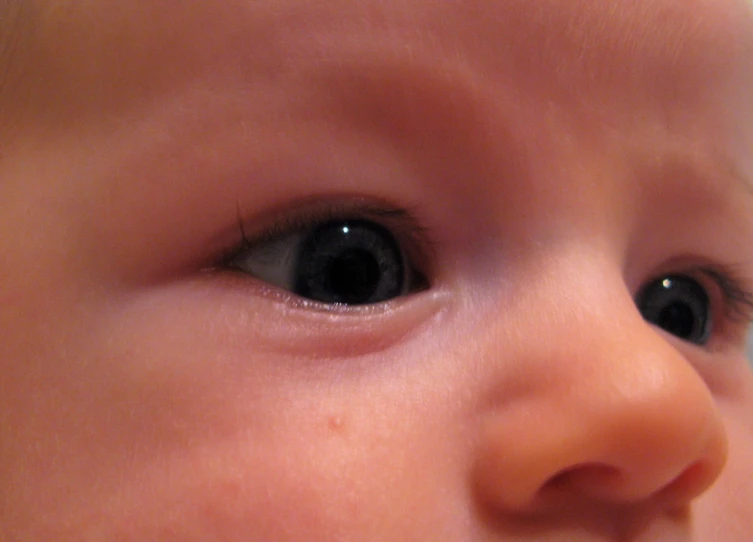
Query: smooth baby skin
x=539, y=161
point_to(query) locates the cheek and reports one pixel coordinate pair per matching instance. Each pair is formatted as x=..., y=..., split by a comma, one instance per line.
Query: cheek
x=259, y=491
x=167, y=426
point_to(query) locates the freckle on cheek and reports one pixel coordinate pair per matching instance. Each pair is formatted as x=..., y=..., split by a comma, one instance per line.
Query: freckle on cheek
x=336, y=424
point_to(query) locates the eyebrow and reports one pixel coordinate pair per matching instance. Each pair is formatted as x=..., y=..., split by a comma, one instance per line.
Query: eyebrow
x=442, y=112
x=712, y=172
x=408, y=99
x=417, y=104
x=719, y=162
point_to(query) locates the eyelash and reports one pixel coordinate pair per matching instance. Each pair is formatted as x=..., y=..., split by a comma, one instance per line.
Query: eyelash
x=411, y=236
x=736, y=294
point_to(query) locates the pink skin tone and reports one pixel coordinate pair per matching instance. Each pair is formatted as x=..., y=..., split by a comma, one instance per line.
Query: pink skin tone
x=557, y=156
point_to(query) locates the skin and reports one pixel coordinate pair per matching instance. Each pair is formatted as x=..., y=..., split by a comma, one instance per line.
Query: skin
x=557, y=157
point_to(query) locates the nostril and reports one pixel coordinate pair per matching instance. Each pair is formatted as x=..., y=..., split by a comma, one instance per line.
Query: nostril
x=648, y=438
x=607, y=483
x=593, y=479
x=691, y=482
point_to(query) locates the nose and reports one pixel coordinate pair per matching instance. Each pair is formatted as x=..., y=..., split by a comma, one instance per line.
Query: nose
x=604, y=408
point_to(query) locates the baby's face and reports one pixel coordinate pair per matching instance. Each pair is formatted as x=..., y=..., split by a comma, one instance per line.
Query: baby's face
x=376, y=270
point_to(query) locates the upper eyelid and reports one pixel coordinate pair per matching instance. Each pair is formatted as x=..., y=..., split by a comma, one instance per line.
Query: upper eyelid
x=308, y=216
x=401, y=221
x=738, y=295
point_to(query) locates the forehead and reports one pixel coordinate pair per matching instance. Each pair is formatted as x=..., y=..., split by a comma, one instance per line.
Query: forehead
x=432, y=72
x=637, y=41
x=665, y=56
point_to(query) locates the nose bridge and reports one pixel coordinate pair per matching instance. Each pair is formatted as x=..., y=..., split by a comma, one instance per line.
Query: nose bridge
x=584, y=328
x=597, y=348
x=610, y=409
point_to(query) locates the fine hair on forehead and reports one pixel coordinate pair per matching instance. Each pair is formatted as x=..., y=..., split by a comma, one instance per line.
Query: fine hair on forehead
x=28, y=27
x=15, y=16
x=20, y=23
x=15, y=24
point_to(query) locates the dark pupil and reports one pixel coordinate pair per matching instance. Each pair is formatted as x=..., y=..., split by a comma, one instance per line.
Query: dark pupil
x=351, y=262
x=353, y=275
x=678, y=305
x=678, y=319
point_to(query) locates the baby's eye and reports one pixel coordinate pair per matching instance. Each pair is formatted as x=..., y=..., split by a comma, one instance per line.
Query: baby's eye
x=679, y=305
x=348, y=262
